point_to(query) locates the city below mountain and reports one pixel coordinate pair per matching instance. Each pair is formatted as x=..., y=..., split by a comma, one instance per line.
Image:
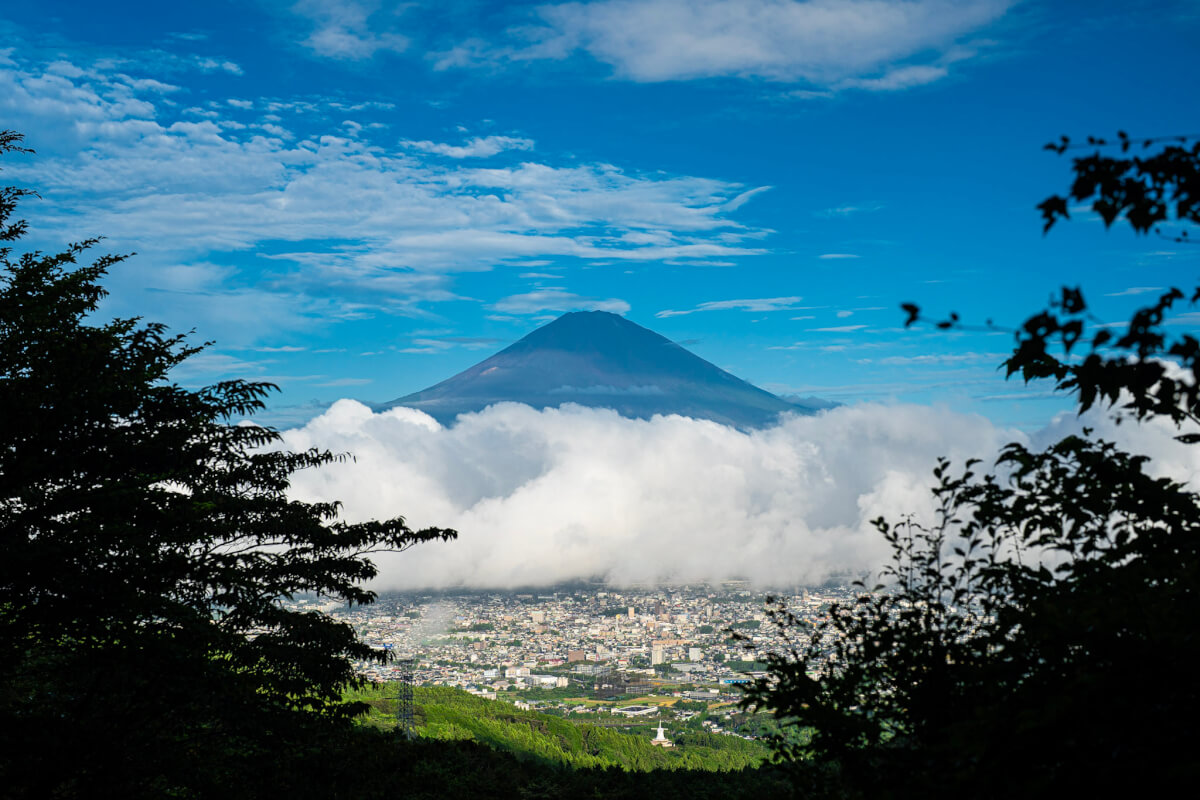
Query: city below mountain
x=602, y=360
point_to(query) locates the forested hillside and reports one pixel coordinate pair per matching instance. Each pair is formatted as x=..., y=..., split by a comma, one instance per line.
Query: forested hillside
x=452, y=714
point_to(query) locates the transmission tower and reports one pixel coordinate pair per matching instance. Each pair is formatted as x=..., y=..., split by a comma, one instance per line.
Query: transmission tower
x=404, y=698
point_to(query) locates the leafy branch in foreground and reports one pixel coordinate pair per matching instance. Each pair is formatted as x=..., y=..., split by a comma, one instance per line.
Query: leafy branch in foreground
x=1145, y=191
x=147, y=551
x=1033, y=640
x=1144, y=371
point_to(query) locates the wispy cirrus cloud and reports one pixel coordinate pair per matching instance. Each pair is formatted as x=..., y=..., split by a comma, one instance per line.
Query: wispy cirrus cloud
x=755, y=304
x=897, y=78
x=440, y=344
x=558, y=300
x=1133, y=291
x=1188, y=318
x=207, y=64
x=476, y=147
x=872, y=45
x=200, y=193
x=839, y=212
x=351, y=29
x=937, y=359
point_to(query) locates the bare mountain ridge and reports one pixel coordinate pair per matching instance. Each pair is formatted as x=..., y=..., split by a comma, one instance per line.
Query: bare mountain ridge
x=602, y=360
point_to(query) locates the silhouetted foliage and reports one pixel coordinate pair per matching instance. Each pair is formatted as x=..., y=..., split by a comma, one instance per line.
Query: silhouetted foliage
x=446, y=770
x=147, y=547
x=1143, y=371
x=1145, y=191
x=1037, y=638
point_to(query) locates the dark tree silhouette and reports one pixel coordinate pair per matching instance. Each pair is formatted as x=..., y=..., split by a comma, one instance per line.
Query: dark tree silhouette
x=147, y=548
x=1038, y=638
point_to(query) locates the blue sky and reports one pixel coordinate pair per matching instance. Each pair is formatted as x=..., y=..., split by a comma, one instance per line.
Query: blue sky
x=359, y=198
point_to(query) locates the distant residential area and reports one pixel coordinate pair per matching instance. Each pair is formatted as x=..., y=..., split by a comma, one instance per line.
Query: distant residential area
x=634, y=654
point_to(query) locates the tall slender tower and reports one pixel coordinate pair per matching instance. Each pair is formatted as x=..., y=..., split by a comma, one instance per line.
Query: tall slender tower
x=404, y=698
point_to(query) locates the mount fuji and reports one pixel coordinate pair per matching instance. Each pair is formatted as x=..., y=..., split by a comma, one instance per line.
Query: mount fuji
x=602, y=360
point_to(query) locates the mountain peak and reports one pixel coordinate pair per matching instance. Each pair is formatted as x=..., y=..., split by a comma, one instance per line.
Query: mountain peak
x=600, y=359
x=600, y=333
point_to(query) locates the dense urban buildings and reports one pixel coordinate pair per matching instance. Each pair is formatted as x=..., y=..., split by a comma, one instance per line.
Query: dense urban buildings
x=623, y=641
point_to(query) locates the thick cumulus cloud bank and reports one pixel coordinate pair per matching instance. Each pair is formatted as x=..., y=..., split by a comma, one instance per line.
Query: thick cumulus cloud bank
x=541, y=497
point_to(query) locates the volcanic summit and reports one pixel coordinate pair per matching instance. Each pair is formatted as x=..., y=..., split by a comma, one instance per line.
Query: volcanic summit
x=602, y=360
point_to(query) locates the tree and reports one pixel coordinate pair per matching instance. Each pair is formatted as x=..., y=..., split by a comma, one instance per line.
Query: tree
x=1038, y=637
x=148, y=551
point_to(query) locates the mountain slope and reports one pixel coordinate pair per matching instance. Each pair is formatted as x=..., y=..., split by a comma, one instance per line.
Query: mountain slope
x=598, y=359
x=447, y=713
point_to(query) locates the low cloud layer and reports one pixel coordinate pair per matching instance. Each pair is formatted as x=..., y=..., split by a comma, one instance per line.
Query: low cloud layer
x=541, y=497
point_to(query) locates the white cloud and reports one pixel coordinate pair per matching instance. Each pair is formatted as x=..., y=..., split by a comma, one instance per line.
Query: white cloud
x=477, y=147
x=541, y=497
x=442, y=344
x=1133, y=291
x=557, y=300
x=756, y=304
x=350, y=29
x=150, y=85
x=193, y=185
x=898, y=78
x=835, y=256
x=1155, y=438
x=840, y=329
x=427, y=346
x=116, y=159
x=1188, y=318
x=206, y=64
x=745, y=197
x=847, y=211
x=939, y=359
x=200, y=368
x=834, y=44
